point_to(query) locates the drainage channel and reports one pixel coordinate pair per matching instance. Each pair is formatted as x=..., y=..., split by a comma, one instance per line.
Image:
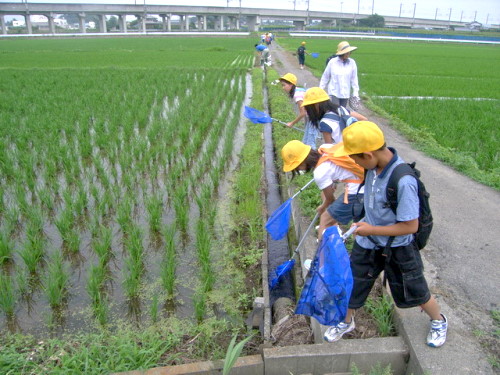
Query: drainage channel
x=278, y=250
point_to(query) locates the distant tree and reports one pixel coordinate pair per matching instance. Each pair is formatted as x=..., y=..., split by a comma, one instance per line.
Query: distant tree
x=71, y=18
x=112, y=23
x=372, y=21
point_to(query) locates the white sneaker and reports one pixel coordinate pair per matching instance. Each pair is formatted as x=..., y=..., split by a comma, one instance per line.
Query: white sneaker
x=307, y=264
x=437, y=333
x=335, y=333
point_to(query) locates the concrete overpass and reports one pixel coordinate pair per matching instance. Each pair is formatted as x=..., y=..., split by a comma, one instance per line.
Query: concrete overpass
x=233, y=16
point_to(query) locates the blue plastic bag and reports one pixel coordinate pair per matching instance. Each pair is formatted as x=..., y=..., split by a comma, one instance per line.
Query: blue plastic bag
x=328, y=285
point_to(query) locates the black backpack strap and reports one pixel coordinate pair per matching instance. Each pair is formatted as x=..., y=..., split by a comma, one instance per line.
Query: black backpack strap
x=398, y=172
x=391, y=192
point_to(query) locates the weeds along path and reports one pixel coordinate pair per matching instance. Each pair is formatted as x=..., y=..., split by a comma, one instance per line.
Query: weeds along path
x=463, y=254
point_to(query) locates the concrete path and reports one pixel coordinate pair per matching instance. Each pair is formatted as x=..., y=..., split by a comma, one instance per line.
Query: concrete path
x=462, y=258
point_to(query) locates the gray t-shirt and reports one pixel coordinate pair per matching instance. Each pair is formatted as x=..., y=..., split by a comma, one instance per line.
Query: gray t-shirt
x=377, y=211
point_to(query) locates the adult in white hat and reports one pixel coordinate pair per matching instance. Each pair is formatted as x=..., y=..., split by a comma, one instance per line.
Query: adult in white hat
x=340, y=78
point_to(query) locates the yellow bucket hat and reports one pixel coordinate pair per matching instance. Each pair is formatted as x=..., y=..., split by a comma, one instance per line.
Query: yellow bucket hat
x=344, y=47
x=289, y=77
x=293, y=154
x=314, y=95
x=361, y=136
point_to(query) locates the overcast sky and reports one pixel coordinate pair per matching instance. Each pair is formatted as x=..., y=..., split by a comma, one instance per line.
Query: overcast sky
x=484, y=11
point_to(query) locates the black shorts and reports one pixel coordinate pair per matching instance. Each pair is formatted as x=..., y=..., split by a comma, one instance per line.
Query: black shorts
x=404, y=271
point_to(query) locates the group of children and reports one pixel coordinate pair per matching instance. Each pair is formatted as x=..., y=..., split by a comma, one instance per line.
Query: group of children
x=358, y=156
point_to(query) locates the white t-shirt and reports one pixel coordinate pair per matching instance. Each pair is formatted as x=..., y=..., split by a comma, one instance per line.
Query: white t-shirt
x=299, y=94
x=328, y=172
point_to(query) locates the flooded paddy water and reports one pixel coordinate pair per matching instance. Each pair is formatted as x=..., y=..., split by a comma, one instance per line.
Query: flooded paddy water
x=128, y=229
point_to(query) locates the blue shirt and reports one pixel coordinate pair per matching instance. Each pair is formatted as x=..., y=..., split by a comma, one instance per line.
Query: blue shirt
x=377, y=211
x=260, y=47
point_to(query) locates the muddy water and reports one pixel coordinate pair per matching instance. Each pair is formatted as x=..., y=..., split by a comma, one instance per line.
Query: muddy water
x=33, y=314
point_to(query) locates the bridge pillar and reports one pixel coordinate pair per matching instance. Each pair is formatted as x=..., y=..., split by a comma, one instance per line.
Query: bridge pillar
x=299, y=25
x=29, y=26
x=165, y=18
x=181, y=23
x=2, y=25
x=253, y=23
x=50, y=19
x=102, y=23
x=205, y=23
x=81, y=21
x=221, y=24
x=122, y=22
x=187, y=22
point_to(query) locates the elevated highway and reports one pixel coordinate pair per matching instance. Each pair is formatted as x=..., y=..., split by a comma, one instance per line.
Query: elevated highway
x=234, y=16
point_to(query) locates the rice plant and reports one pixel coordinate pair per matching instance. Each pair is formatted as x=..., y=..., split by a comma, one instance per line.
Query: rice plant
x=181, y=209
x=154, y=206
x=32, y=253
x=169, y=263
x=200, y=306
x=134, y=263
x=124, y=214
x=72, y=240
x=6, y=247
x=102, y=244
x=203, y=245
x=7, y=295
x=56, y=280
x=97, y=277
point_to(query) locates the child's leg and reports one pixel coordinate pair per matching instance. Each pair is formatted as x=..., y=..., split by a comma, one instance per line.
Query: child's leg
x=325, y=221
x=432, y=308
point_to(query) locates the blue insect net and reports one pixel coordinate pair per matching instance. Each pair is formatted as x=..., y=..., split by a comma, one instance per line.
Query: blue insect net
x=328, y=285
x=281, y=271
x=256, y=116
x=278, y=223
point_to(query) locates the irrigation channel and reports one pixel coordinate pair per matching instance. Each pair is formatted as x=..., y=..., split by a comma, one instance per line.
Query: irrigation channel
x=132, y=261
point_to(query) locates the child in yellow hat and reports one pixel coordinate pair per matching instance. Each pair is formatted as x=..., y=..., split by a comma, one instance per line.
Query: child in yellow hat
x=385, y=240
x=324, y=114
x=289, y=85
x=328, y=171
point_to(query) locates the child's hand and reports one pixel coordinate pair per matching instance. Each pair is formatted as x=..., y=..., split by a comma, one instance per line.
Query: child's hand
x=289, y=124
x=364, y=229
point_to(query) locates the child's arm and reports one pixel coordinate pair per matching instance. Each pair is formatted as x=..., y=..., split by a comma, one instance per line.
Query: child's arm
x=302, y=114
x=327, y=197
x=328, y=137
x=398, y=229
x=358, y=116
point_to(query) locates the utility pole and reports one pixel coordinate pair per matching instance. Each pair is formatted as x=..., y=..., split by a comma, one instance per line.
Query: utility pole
x=400, y=6
x=414, y=9
x=461, y=15
x=373, y=5
x=435, y=15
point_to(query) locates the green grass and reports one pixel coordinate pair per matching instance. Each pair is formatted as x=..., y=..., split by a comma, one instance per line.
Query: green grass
x=458, y=129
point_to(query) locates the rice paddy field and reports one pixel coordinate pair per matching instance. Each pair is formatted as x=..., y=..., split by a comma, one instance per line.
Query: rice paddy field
x=446, y=94
x=111, y=155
